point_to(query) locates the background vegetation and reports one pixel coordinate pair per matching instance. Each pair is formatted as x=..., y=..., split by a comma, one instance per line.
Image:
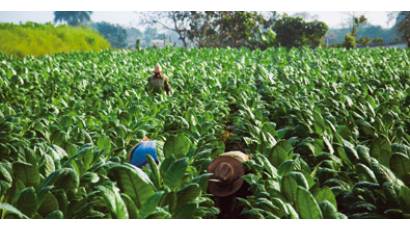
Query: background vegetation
x=36, y=39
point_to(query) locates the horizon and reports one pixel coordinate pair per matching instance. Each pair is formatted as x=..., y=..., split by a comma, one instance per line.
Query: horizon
x=130, y=19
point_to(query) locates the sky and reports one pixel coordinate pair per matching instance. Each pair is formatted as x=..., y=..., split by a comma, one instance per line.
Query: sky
x=335, y=19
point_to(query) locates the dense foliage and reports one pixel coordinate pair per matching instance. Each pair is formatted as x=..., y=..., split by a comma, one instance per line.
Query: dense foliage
x=38, y=39
x=327, y=131
x=73, y=18
x=403, y=25
x=115, y=34
x=296, y=32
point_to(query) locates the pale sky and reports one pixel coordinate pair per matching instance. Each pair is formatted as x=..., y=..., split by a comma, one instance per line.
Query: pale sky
x=130, y=19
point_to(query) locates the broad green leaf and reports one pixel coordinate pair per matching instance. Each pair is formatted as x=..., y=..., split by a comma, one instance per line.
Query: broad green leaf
x=114, y=201
x=48, y=204
x=380, y=149
x=57, y=152
x=175, y=173
x=5, y=174
x=7, y=208
x=104, y=144
x=65, y=178
x=306, y=205
x=326, y=194
x=365, y=173
x=280, y=152
x=131, y=207
x=156, y=175
x=28, y=174
x=328, y=209
x=27, y=201
x=151, y=204
x=188, y=194
x=48, y=166
x=133, y=182
x=288, y=186
x=400, y=165
x=56, y=214
x=177, y=145
x=404, y=195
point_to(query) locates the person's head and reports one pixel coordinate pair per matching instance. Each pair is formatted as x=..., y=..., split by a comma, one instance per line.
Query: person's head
x=157, y=69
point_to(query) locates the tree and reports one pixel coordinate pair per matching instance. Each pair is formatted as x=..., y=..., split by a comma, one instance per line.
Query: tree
x=403, y=25
x=350, y=41
x=73, y=18
x=357, y=21
x=296, y=32
x=350, y=38
x=219, y=29
x=115, y=34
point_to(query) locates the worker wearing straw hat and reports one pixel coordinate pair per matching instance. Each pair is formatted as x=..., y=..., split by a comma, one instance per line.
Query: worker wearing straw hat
x=226, y=182
x=158, y=82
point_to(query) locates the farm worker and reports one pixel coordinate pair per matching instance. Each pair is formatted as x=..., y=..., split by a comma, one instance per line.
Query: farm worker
x=141, y=150
x=226, y=183
x=159, y=82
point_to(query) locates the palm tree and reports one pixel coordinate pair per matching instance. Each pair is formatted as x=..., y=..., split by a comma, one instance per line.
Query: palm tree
x=73, y=18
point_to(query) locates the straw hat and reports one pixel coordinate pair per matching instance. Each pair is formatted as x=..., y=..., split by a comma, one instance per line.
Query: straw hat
x=227, y=172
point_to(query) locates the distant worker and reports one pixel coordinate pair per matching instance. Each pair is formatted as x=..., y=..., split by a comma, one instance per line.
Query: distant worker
x=138, y=154
x=226, y=182
x=158, y=82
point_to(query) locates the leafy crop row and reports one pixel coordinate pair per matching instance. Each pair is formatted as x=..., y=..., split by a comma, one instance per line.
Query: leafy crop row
x=327, y=131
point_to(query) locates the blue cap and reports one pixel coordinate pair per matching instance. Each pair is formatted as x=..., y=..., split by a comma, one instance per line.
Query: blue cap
x=138, y=154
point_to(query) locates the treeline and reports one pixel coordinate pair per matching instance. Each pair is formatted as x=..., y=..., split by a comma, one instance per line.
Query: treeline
x=40, y=39
x=253, y=30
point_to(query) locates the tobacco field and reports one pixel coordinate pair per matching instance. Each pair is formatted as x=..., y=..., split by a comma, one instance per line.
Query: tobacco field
x=327, y=131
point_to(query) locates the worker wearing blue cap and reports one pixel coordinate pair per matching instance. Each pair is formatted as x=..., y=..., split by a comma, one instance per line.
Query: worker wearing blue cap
x=138, y=156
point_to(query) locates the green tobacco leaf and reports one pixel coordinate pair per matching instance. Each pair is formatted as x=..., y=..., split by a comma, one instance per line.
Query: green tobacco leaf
x=151, y=204
x=306, y=205
x=56, y=214
x=365, y=173
x=380, y=149
x=350, y=151
x=400, y=165
x=28, y=174
x=89, y=177
x=288, y=186
x=328, y=209
x=57, y=152
x=364, y=153
x=175, y=173
x=280, y=152
x=48, y=166
x=404, y=195
x=185, y=212
x=177, y=145
x=104, y=144
x=202, y=181
x=131, y=207
x=326, y=194
x=133, y=182
x=27, y=201
x=156, y=175
x=114, y=201
x=188, y=194
x=5, y=174
x=7, y=208
x=65, y=178
x=48, y=205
